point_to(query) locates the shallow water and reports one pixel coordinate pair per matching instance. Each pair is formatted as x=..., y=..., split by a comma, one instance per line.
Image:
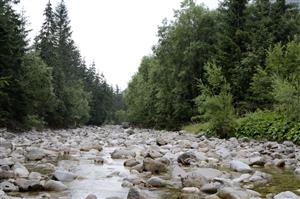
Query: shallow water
x=102, y=180
x=282, y=180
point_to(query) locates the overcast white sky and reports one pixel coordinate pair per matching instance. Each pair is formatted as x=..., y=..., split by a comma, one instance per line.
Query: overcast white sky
x=116, y=34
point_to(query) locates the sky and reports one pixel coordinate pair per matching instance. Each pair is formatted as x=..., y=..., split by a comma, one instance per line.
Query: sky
x=115, y=34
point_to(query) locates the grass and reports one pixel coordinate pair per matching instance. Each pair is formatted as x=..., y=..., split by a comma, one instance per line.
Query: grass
x=196, y=128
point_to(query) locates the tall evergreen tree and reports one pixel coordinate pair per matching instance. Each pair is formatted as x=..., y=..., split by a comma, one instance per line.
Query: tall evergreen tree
x=13, y=107
x=232, y=46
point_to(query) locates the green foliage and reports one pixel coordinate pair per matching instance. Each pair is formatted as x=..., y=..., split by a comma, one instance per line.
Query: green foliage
x=197, y=127
x=283, y=63
x=161, y=93
x=268, y=125
x=50, y=85
x=215, y=102
x=36, y=82
x=261, y=90
x=34, y=121
x=77, y=104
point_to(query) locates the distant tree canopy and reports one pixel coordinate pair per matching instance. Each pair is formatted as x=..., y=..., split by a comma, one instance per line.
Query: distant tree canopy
x=50, y=84
x=236, y=37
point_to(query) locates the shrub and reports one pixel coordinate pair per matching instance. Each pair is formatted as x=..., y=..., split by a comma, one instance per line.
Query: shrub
x=268, y=125
x=215, y=103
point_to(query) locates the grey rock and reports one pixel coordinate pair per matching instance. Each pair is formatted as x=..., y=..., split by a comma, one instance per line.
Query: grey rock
x=193, y=179
x=5, y=144
x=6, y=162
x=161, y=141
x=258, y=161
x=208, y=173
x=125, y=125
x=131, y=163
x=3, y=195
x=239, y=166
x=29, y=185
x=20, y=170
x=135, y=193
x=186, y=158
x=123, y=153
x=35, y=154
x=154, y=166
x=129, y=131
x=52, y=185
x=286, y=195
x=8, y=187
x=210, y=188
x=35, y=176
x=91, y=196
x=4, y=174
x=279, y=163
x=288, y=143
x=191, y=190
x=236, y=193
x=177, y=172
x=64, y=176
x=91, y=146
x=156, y=182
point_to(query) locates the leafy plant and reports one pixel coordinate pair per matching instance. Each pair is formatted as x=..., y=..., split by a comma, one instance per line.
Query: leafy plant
x=215, y=102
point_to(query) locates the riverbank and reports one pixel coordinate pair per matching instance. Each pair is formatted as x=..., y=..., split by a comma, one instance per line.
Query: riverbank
x=111, y=162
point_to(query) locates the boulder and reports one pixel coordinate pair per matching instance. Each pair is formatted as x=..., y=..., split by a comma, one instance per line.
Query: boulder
x=193, y=179
x=3, y=195
x=177, y=172
x=156, y=182
x=257, y=161
x=35, y=154
x=208, y=173
x=236, y=193
x=6, y=162
x=125, y=125
x=239, y=166
x=129, y=131
x=191, y=190
x=161, y=141
x=297, y=171
x=64, y=176
x=4, y=174
x=135, y=193
x=123, y=154
x=35, y=176
x=5, y=144
x=29, y=185
x=90, y=146
x=131, y=163
x=279, y=163
x=286, y=195
x=52, y=185
x=210, y=188
x=20, y=170
x=186, y=158
x=154, y=166
x=8, y=187
x=91, y=196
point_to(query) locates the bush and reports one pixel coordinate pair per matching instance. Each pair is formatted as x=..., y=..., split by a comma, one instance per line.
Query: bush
x=34, y=121
x=268, y=125
x=215, y=103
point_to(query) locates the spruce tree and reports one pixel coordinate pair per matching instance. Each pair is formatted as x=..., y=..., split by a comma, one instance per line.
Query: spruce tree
x=13, y=106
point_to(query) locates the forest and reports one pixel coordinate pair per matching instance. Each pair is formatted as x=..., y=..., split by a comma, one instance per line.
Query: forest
x=233, y=71
x=48, y=84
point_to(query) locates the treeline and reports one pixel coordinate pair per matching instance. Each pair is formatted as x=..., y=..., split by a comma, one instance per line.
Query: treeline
x=49, y=83
x=216, y=66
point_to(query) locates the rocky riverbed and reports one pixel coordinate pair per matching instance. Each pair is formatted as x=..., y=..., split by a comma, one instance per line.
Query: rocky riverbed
x=111, y=163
